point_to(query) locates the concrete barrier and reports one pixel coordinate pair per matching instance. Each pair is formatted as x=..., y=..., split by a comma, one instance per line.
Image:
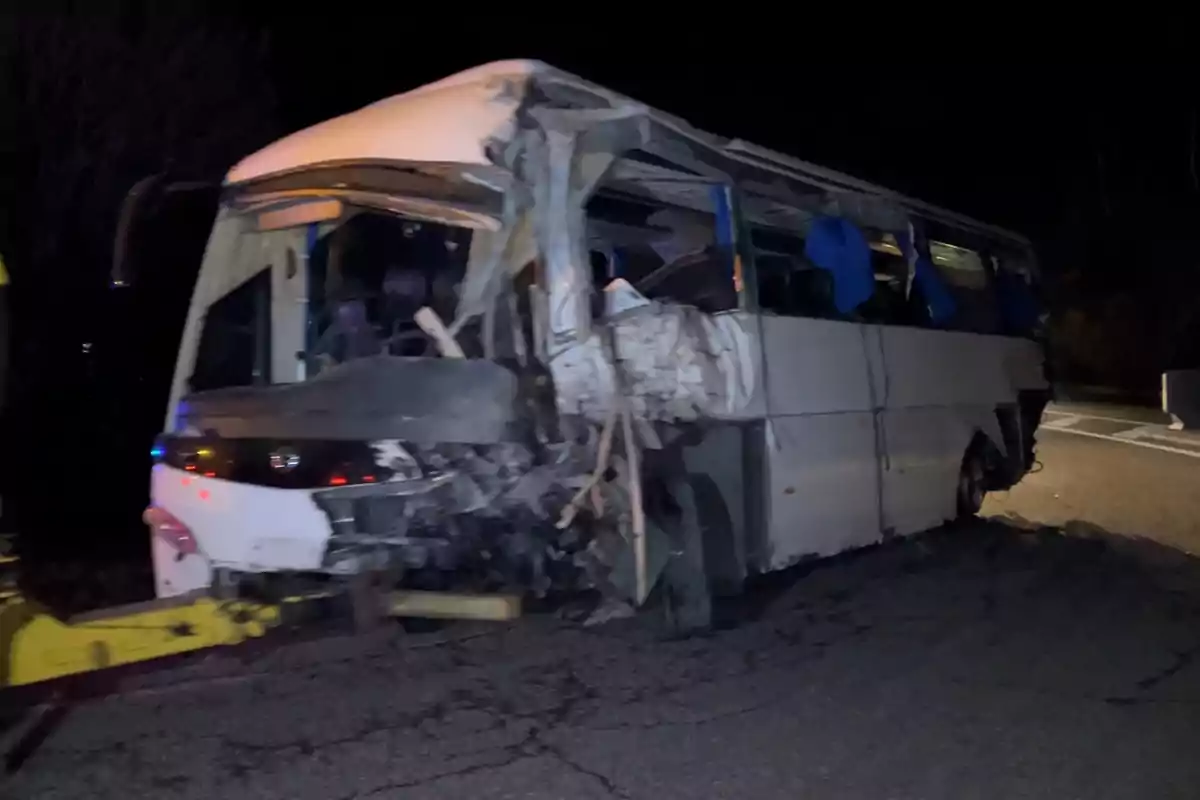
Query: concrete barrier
x=1181, y=398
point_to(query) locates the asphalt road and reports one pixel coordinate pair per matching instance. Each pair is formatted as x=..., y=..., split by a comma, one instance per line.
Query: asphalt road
x=1003, y=659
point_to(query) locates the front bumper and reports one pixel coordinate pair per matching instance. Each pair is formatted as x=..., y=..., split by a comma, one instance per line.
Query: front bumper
x=237, y=526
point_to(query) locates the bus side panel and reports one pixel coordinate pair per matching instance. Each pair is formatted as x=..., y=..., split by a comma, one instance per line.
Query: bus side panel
x=921, y=462
x=928, y=368
x=940, y=389
x=822, y=481
x=823, y=486
x=816, y=366
x=868, y=426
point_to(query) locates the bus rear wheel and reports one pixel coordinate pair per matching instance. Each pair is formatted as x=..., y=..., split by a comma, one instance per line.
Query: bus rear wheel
x=972, y=482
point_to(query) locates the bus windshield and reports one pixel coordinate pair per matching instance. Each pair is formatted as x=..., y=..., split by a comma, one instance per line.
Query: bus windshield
x=370, y=275
x=290, y=303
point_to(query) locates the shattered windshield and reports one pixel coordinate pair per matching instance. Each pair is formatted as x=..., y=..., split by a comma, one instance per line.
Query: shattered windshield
x=283, y=305
x=370, y=275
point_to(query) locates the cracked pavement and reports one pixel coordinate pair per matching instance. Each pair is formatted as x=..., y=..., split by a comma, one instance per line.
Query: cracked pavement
x=1001, y=659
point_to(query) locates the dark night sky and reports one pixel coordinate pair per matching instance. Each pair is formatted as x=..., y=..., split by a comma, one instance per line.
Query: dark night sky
x=1006, y=143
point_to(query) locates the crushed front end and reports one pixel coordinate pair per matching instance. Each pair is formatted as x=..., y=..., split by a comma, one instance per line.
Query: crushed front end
x=456, y=481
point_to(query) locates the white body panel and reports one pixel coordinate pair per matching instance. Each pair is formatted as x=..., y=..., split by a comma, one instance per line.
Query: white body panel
x=868, y=425
x=176, y=574
x=817, y=366
x=922, y=455
x=236, y=525
x=821, y=477
x=447, y=121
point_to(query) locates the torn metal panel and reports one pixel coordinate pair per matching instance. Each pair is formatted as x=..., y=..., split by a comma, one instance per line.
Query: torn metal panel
x=556, y=160
x=678, y=364
x=565, y=154
x=473, y=510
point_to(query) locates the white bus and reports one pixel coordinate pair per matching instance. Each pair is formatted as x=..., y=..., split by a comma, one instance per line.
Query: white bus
x=515, y=329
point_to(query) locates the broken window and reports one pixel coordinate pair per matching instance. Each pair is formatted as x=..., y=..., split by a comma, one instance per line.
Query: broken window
x=969, y=282
x=368, y=278
x=891, y=302
x=669, y=252
x=788, y=283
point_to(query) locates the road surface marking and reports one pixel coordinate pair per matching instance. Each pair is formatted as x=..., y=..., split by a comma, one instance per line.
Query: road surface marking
x=1140, y=431
x=1083, y=415
x=1064, y=421
x=1124, y=438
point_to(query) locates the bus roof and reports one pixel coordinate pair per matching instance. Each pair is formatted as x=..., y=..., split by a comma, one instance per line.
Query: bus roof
x=454, y=119
x=446, y=121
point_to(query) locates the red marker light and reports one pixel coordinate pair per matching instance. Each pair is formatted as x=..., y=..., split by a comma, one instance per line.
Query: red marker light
x=337, y=480
x=368, y=478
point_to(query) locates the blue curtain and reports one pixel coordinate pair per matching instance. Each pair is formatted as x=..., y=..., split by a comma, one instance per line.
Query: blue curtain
x=837, y=246
x=938, y=298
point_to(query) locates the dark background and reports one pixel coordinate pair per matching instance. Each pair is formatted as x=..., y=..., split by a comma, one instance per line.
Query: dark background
x=1096, y=163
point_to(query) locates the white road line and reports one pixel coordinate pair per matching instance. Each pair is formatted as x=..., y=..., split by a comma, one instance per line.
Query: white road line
x=1140, y=431
x=1079, y=415
x=1067, y=419
x=1119, y=440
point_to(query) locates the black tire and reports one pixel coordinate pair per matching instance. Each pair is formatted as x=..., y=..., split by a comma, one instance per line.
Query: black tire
x=686, y=596
x=972, y=481
x=686, y=600
x=366, y=603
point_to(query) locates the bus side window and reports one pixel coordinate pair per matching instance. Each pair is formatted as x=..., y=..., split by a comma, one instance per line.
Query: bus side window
x=889, y=303
x=970, y=284
x=235, y=342
x=788, y=285
x=668, y=253
x=1016, y=296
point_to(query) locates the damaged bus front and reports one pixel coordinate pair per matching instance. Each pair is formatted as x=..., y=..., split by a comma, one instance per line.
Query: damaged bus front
x=320, y=429
x=515, y=330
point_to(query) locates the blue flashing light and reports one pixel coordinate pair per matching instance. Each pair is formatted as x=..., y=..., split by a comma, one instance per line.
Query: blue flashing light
x=157, y=452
